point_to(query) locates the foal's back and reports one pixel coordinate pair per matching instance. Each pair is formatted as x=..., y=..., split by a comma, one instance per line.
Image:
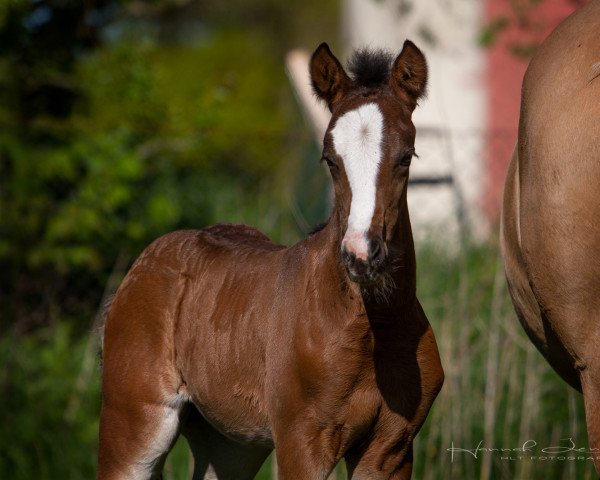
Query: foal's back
x=224, y=309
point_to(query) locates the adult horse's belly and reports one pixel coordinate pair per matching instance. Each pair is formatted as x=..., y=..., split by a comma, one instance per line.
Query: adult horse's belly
x=558, y=184
x=534, y=321
x=220, y=339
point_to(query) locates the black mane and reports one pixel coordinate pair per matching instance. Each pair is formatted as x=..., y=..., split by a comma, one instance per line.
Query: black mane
x=370, y=68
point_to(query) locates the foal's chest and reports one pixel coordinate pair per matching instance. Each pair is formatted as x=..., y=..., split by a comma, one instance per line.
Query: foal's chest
x=335, y=376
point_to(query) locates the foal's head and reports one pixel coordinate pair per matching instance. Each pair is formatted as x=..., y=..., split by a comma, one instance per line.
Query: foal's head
x=368, y=147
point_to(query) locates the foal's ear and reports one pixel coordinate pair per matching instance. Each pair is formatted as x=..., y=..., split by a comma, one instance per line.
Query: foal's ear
x=409, y=74
x=329, y=80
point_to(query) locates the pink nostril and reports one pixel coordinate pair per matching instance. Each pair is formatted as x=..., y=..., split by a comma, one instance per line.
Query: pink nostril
x=356, y=243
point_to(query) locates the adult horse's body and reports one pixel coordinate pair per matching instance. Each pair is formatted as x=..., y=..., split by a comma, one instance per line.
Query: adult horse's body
x=551, y=216
x=320, y=350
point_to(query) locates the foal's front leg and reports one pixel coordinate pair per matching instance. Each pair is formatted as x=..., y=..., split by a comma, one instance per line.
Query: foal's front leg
x=381, y=461
x=306, y=452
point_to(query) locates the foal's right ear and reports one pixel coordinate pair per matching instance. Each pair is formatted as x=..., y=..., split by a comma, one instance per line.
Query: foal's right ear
x=329, y=80
x=409, y=74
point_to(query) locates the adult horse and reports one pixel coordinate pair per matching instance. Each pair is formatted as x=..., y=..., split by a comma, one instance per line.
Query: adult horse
x=320, y=350
x=550, y=231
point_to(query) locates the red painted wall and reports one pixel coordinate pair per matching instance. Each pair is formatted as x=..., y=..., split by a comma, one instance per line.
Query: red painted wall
x=505, y=67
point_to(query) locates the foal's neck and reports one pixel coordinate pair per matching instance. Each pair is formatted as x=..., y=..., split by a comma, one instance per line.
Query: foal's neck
x=396, y=290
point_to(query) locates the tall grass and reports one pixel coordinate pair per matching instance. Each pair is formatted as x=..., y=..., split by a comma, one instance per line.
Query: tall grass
x=499, y=390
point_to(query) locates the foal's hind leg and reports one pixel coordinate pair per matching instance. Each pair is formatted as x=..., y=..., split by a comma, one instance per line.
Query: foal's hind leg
x=218, y=457
x=141, y=403
x=135, y=439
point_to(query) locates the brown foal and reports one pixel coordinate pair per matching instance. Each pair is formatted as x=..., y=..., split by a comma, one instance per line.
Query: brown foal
x=320, y=350
x=550, y=231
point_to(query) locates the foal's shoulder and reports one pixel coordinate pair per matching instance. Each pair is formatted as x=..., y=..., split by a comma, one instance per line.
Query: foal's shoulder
x=236, y=235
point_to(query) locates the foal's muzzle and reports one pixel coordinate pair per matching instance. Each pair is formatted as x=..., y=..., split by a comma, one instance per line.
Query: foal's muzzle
x=366, y=270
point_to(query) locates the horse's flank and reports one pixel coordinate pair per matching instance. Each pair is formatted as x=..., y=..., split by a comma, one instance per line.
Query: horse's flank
x=550, y=225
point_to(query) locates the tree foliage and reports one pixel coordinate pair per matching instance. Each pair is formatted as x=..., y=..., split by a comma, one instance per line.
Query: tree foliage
x=522, y=17
x=106, y=144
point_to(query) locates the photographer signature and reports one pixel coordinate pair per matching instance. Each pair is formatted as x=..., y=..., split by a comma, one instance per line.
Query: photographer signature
x=528, y=446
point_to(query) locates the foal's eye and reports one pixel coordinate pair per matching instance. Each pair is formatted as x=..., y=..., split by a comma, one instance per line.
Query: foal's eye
x=405, y=159
x=331, y=163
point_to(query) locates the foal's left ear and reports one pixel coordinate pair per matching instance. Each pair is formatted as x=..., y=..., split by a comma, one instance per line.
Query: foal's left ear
x=409, y=74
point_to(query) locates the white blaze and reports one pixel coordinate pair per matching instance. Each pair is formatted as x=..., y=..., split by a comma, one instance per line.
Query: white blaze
x=357, y=139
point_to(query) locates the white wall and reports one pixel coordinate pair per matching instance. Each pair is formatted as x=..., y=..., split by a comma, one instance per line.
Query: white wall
x=450, y=121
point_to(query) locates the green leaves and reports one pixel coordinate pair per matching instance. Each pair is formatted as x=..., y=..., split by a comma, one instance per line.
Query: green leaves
x=153, y=129
x=38, y=381
x=489, y=34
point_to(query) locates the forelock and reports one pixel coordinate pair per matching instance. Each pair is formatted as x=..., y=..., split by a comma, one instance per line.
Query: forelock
x=370, y=68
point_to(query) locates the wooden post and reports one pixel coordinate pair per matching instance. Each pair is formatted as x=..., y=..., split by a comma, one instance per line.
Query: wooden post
x=315, y=112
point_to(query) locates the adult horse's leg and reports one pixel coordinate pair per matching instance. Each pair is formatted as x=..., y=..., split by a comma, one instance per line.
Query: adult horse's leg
x=216, y=456
x=590, y=382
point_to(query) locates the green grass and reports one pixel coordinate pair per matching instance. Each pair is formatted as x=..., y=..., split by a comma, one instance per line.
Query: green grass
x=498, y=388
